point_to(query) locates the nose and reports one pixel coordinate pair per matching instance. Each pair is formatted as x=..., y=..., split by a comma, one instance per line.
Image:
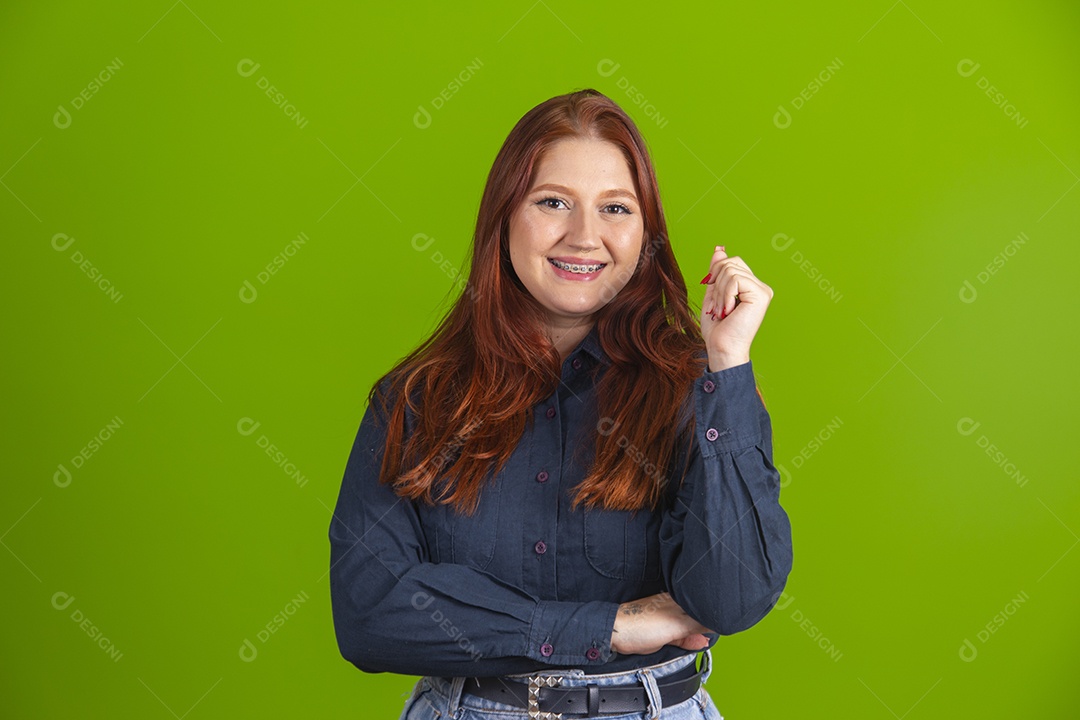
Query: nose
x=584, y=233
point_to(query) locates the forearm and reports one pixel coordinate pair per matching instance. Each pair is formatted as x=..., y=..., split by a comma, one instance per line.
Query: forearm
x=452, y=620
x=727, y=541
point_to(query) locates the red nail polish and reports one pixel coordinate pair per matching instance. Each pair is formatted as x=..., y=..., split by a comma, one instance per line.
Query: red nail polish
x=706, y=279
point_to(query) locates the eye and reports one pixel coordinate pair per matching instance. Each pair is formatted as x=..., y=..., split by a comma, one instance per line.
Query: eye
x=625, y=210
x=549, y=200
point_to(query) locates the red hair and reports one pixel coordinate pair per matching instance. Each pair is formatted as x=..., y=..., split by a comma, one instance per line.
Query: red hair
x=474, y=383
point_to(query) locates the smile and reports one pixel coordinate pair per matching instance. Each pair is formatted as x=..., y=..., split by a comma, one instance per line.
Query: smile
x=579, y=269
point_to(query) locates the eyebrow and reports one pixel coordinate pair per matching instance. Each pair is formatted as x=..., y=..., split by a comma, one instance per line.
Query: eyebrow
x=613, y=192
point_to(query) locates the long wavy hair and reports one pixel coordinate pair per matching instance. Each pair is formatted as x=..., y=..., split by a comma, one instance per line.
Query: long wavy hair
x=473, y=385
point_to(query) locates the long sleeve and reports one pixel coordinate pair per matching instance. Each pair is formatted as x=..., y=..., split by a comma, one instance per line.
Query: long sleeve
x=726, y=541
x=395, y=611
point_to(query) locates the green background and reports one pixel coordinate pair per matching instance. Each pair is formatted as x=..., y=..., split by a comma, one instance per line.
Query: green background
x=179, y=180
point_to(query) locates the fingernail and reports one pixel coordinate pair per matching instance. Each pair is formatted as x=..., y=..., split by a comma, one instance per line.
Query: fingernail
x=722, y=249
x=706, y=279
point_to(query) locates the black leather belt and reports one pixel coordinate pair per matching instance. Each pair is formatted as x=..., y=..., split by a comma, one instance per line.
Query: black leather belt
x=590, y=700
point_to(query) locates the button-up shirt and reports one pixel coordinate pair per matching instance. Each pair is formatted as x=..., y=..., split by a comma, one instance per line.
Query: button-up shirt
x=526, y=583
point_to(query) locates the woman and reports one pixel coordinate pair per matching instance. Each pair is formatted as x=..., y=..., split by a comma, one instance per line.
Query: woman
x=567, y=491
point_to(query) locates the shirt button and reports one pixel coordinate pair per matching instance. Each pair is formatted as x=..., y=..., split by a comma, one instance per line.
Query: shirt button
x=546, y=649
x=708, y=386
x=550, y=412
x=711, y=434
x=540, y=547
x=542, y=476
x=592, y=654
x=576, y=363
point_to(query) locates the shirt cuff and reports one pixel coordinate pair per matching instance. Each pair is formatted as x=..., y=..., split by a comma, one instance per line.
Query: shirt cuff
x=728, y=410
x=572, y=633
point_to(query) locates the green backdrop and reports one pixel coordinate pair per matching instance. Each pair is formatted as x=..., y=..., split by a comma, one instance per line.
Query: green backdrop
x=212, y=216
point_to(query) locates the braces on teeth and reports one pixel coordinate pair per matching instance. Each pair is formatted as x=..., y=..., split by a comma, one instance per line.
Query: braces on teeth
x=583, y=269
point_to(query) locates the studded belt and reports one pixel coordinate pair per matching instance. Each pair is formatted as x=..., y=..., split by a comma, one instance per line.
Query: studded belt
x=545, y=700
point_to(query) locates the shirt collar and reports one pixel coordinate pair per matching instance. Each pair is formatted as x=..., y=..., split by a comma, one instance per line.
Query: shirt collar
x=591, y=345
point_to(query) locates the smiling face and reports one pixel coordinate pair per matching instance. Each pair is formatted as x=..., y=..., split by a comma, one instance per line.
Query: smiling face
x=576, y=237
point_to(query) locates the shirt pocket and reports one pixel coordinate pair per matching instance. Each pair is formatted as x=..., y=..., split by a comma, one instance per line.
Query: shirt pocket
x=468, y=539
x=623, y=545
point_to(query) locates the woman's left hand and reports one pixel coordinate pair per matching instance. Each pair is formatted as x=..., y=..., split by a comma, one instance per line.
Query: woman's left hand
x=729, y=324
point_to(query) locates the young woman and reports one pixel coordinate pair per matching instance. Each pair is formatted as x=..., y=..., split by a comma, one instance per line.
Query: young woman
x=567, y=491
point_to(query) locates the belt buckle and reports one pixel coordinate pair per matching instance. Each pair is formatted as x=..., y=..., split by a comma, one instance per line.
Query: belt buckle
x=536, y=682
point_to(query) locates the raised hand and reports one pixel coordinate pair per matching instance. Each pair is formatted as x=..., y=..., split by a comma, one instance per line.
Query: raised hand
x=734, y=306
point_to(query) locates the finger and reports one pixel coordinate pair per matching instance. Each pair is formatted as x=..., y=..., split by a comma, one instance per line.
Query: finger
x=717, y=270
x=718, y=254
x=697, y=641
x=729, y=290
x=733, y=282
x=720, y=277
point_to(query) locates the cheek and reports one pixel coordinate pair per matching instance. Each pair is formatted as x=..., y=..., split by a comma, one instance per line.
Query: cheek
x=538, y=233
x=631, y=244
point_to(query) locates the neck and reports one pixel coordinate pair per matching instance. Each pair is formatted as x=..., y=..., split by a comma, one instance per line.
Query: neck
x=566, y=338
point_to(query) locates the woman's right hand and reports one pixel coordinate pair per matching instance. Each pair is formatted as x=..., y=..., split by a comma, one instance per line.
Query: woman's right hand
x=644, y=626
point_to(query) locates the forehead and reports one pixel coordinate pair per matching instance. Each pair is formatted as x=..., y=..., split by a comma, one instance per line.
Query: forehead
x=586, y=161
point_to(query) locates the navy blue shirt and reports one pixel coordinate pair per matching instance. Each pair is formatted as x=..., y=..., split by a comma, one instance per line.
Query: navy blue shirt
x=527, y=584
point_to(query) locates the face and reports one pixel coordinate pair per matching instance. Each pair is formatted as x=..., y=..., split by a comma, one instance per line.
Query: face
x=576, y=237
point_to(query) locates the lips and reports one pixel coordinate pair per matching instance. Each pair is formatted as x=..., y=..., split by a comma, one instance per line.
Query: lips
x=578, y=268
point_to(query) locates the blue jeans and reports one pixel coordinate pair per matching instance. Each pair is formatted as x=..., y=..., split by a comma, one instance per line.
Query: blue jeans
x=436, y=698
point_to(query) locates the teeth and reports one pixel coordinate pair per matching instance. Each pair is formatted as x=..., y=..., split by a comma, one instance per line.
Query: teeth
x=574, y=268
